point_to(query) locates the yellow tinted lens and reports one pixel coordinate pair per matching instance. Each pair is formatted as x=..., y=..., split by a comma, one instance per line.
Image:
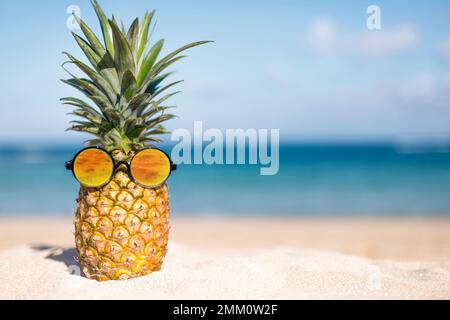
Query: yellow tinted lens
x=150, y=167
x=93, y=167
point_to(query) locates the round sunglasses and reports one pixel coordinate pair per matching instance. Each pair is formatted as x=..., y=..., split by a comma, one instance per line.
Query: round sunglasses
x=95, y=167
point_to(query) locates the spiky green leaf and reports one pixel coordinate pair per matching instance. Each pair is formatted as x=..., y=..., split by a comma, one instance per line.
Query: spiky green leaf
x=96, y=78
x=133, y=37
x=123, y=59
x=104, y=65
x=128, y=85
x=149, y=61
x=106, y=28
x=144, y=34
x=91, y=37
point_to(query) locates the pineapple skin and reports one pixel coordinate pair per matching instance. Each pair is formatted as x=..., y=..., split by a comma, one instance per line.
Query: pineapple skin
x=121, y=229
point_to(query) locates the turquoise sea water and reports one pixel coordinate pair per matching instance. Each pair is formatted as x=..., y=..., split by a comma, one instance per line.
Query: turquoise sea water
x=313, y=180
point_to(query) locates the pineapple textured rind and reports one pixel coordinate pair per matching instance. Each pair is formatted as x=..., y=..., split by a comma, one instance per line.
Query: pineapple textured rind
x=121, y=229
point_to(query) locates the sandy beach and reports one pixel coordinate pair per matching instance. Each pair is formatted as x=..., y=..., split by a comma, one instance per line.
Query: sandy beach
x=244, y=258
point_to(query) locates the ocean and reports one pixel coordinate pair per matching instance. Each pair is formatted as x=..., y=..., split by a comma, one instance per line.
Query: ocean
x=313, y=180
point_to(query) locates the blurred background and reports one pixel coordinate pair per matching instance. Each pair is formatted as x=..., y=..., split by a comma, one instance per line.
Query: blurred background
x=364, y=115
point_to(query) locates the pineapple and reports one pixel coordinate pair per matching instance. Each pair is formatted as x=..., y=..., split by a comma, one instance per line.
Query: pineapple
x=121, y=229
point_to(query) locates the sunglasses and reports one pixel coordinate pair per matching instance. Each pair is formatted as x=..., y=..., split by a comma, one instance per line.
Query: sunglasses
x=94, y=167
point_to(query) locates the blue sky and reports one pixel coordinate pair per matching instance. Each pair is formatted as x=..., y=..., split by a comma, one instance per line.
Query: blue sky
x=311, y=69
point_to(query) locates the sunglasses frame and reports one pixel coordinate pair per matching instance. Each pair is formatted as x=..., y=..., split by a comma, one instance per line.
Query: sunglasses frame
x=116, y=165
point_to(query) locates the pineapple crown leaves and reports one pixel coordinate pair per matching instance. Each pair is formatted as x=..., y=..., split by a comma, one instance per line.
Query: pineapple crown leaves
x=124, y=81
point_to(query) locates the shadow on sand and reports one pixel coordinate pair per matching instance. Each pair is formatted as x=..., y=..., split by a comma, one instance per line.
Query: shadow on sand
x=67, y=256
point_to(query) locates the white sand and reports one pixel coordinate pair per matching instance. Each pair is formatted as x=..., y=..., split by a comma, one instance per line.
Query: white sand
x=275, y=273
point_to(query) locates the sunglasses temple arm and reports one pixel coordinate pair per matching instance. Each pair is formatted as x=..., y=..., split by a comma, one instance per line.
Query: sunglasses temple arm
x=173, y=167
x=69, y=165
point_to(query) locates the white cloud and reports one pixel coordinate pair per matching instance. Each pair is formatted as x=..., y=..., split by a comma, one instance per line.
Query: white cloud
x=324, y=37
x=389, y=42
x=444, y=49
x=322, y=34
x=425, y=92
x=419, y=105
x=419, y=94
